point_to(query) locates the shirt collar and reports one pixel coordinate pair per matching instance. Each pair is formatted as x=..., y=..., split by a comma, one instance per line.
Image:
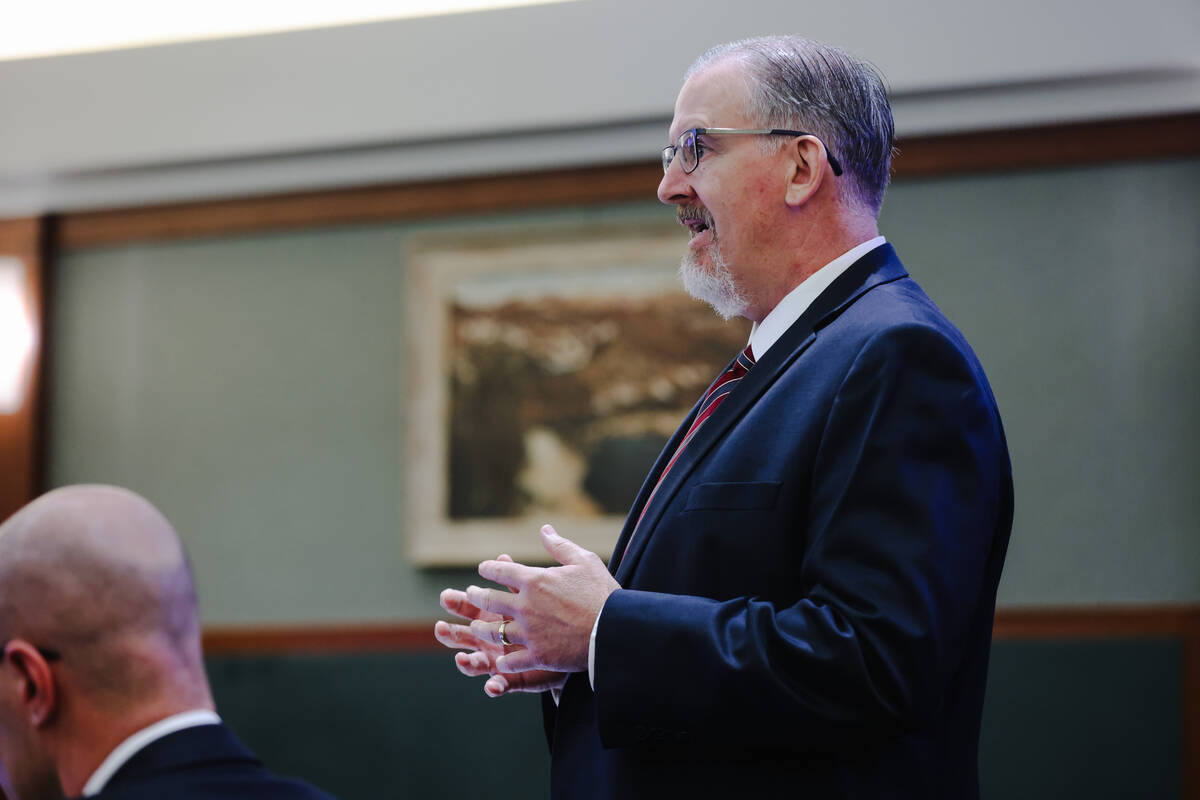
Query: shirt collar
x=796, y=302
x=135, y=743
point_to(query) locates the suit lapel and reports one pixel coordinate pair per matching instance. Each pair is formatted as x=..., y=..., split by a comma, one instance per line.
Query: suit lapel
x=652, y=478
x=875, y=268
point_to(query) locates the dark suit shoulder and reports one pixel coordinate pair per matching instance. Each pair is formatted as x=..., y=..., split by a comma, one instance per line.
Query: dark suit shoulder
x=202, y=762
x=900, y=302
x=891, y=315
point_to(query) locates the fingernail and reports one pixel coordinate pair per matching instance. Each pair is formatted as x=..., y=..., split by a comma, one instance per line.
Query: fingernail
x=549, y=530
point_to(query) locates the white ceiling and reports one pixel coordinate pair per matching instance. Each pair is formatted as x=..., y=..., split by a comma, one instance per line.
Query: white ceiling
x=584, y=82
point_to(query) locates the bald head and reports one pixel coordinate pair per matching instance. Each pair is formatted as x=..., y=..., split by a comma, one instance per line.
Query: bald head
x=98, y=574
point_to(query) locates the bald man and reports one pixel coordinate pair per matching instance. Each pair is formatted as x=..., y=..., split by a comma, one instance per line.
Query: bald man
x=102, y=685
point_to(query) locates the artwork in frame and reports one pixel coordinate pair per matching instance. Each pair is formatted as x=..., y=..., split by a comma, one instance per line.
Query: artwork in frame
x=546, y=370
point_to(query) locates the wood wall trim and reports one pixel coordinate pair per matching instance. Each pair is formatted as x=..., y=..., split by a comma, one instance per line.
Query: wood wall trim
x=402, y=636
x=1109, y=141
x=21, y=433
x=1011, y=625
x=421, y=200
x=1102, y=622
x=924, y=156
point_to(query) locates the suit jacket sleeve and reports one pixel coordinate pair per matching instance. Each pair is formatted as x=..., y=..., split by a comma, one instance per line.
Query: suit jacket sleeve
x=907, y=488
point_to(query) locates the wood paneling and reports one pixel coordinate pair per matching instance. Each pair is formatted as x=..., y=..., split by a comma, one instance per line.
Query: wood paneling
x=1026, y=148
x=20, y=433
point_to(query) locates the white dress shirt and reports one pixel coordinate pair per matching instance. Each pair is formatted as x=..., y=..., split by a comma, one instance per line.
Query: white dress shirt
x=134, y=744
x=766, y=333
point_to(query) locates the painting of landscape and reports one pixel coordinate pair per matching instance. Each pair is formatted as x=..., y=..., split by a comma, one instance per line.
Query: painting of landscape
x=562, y=374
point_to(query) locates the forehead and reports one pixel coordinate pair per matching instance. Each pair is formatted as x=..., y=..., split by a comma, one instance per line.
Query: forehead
x=714, y=97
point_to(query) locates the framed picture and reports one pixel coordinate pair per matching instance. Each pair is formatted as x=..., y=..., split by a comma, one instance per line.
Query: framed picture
x=546, y=370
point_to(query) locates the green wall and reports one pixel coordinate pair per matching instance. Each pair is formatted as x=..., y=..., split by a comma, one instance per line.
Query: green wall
x=251, y=386
x=1079, y=290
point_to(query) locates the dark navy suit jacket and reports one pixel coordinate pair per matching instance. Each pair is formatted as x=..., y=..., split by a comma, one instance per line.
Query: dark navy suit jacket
x=201, y=763
x=807, y=606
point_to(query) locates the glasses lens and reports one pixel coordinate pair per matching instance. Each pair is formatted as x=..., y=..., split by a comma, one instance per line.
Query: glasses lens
x=687, y=150
x=668, y=155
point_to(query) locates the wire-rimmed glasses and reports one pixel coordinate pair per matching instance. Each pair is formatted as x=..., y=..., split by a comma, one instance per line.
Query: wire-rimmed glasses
x=688, y=149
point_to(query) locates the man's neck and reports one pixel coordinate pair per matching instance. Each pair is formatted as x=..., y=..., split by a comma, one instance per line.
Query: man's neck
x=93, y=735
x=814, y=251
x=785, y=313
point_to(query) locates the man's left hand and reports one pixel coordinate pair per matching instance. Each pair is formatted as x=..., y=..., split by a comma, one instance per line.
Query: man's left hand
x=550, y=610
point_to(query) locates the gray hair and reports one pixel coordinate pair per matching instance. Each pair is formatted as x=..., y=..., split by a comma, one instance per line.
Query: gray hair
x=801, y=84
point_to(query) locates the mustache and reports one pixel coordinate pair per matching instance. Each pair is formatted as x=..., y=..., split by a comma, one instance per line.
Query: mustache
x=685, y=213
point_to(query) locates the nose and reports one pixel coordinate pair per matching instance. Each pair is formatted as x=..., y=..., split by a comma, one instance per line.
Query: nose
x=675, y=188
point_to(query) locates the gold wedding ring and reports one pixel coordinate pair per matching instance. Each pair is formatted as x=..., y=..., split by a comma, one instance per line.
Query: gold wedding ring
x=504, y=639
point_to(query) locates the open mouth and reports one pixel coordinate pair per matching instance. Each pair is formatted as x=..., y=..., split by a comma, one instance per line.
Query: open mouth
x=695, y=219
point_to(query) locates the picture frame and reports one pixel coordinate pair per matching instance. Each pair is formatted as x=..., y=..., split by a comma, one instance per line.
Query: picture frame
x=546, y=367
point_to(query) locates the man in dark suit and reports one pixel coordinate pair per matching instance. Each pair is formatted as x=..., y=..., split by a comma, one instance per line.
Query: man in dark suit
x=801, y=600
x=102, y=685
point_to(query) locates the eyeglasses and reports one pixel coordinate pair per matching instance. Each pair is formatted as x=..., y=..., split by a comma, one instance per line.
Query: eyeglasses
x=47, y=653
x=689, y=149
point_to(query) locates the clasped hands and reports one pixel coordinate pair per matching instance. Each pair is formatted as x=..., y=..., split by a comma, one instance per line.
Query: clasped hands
x=549, y=611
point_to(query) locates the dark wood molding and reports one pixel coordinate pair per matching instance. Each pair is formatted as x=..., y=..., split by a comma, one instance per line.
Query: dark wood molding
x=1097, y=622
x=1013, y=624
x=421, y=200
x=1107, y=141
x=402, y=636
x=21, y=433
x=923, y=156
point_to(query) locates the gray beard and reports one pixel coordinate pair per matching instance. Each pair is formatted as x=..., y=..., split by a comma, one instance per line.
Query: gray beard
x=716, y=287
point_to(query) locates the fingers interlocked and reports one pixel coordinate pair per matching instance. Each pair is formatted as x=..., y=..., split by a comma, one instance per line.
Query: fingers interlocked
x=540, y=622
x=505, y=633
x=500, y=621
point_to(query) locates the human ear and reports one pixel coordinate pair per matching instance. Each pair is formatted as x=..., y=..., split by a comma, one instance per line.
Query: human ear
x=33, y=682
x=806, y=169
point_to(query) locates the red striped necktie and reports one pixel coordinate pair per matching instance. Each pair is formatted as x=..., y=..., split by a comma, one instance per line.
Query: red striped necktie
x=721, y=388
